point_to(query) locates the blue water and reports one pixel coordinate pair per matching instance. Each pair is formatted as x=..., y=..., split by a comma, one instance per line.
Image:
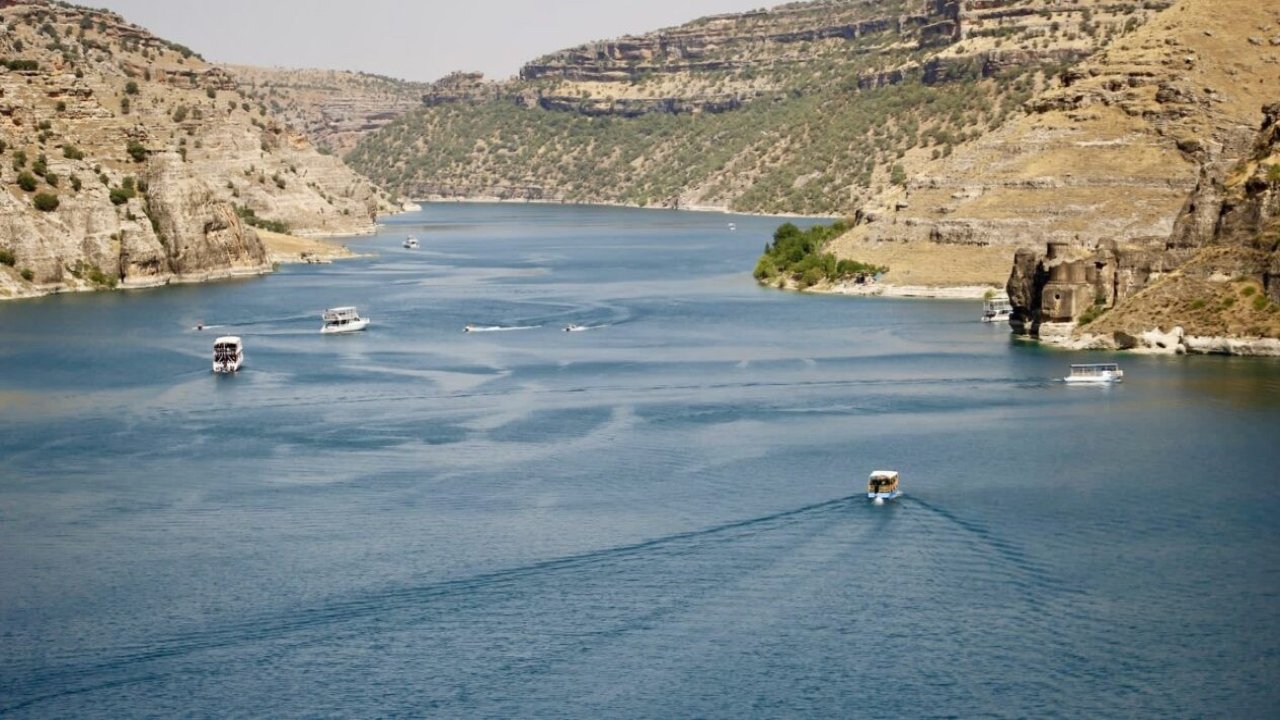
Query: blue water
x=658, y=517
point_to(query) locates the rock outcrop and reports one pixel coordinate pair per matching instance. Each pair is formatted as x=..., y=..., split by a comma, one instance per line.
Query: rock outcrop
x=1102, y=160
x=127, y=160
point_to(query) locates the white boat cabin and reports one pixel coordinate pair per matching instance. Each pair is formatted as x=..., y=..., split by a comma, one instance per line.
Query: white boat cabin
x=343, y=319
x=996, y=309
x=228, y=354
x=1095, y=373
x=883, y=485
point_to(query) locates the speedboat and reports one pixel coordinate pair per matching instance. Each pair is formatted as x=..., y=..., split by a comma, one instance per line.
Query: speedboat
x=573, y=327
x=996, y=310
x=469, y=328
x=1095, y=374
x=228, y=354
x=343, y=320
x=883, y=485
x=411, y=243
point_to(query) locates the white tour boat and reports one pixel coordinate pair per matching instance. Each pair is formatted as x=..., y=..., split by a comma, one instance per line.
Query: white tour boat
x=343, y=320
x=411, y=243
x=1095, y=374
x=573, y=327
x=228, y=354
x=996, y=310
x=883, y=485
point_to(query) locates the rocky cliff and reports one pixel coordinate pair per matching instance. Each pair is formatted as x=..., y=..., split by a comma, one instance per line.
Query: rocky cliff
x=1213, y=286
x=810, y=107
x=129, y=161
x=335, y=109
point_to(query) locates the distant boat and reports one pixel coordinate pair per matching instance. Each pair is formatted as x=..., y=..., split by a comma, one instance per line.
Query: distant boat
x=343, y=320
x=469, y=328
x=996, y=310
x=883, y=485
x=1095, y=374
x=572, y=327
x=411, y=243
x=228, y=354
x=732, y=226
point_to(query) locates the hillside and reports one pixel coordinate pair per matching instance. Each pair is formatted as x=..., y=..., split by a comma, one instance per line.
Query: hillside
x=806, y=108
x=336, y=109
x=128, y=160
x=1107, y=157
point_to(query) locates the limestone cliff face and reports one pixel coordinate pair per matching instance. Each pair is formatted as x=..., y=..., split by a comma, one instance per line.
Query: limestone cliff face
x=129, y=161
x=335, y=109
x=1100, y=164
x=1213, y=287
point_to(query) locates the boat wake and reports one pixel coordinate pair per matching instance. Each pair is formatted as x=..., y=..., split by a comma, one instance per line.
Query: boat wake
x=33, y=682
x=498, y=328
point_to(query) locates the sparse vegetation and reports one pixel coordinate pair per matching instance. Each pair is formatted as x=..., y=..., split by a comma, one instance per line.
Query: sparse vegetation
x=45, y=202
x=800, y=256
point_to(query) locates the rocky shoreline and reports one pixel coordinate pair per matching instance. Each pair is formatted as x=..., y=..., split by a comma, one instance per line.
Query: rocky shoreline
x=1158, y=342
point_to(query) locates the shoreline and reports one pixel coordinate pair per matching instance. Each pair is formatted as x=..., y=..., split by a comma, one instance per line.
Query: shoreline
x=481, y=200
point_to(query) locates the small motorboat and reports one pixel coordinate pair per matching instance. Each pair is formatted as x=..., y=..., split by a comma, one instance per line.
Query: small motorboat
x=343, y=320
x=228, y=354
x=883, y=485
x=411, y=243
x=469, y=328
x=1095, y=374
x=573, y=327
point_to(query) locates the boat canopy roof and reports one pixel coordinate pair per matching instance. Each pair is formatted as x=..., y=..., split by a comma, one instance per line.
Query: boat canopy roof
x=341, y=313
x=227, y=340
x=884, y=475
x=1096, y=366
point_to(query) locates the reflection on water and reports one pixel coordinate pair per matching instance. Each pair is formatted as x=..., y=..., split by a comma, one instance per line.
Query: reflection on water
x=657, y=518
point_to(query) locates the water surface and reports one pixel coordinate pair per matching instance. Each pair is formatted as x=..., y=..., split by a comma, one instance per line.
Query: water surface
x=657, y=517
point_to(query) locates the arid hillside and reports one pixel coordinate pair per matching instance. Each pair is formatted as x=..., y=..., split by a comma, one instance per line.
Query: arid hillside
x=335, y=108
x=127, y=160
x=1106, y=156
x=810, y=107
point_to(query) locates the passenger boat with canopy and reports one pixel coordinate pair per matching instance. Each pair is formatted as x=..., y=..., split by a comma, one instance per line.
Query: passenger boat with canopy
x=1095, y=374
x=883, y=485
x=343, y=320
x=228, y=354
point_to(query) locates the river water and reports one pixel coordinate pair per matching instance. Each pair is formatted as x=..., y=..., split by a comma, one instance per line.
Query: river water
x=657, y=517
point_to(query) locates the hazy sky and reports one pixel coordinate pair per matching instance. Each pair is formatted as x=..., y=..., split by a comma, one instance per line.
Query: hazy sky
x=411, y=40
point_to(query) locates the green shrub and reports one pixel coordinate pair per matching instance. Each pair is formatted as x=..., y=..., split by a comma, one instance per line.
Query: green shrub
x=1093, y=313
x=1198, y=304
x=7, y=257
x=71, y=152
x=120, y=196
x=101, y=279
x=27, y=181
x=131, y=88
x=51, y=178
x=27, y=274
x=19, y=159
x=1260, y=303
x=136, y=150
x=45, y=202
x=1248, y=290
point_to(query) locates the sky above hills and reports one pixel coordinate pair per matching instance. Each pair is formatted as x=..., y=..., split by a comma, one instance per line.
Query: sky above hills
x=401, y=38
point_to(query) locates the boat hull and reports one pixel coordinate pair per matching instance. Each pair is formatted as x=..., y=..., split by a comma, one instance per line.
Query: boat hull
x=1099, y=380
x=355, y=326
x=882, y=496
x=228, y=367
